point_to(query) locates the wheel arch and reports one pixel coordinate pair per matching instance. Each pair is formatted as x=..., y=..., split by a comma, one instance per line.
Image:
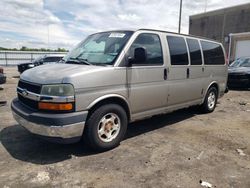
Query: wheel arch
x=108, y=99
x=212, y=84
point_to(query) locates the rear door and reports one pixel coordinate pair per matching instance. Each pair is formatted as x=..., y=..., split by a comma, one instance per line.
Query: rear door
x=196, y=68
x=179, y=89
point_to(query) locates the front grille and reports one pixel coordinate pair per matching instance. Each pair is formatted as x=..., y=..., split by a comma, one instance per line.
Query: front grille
x=28, y=102
x=35, y=88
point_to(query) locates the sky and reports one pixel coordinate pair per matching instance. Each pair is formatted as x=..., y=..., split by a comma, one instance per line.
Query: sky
x=63, y=23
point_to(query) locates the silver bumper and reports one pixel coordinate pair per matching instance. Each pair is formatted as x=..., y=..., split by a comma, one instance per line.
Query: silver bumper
x=65, y=131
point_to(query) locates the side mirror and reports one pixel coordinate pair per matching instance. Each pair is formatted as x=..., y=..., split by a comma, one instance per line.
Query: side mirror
x=130, y=62
x=140, y=55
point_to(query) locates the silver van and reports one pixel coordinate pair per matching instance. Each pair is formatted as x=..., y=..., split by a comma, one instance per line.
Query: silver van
x=116, y=77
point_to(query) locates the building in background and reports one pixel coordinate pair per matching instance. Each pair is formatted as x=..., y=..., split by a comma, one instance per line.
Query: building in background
x=225, y=24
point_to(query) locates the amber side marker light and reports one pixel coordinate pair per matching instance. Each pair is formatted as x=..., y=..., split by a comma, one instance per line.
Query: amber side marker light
x=55, y=106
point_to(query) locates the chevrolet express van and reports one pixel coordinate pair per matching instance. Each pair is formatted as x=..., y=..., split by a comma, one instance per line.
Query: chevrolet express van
x=116, y=77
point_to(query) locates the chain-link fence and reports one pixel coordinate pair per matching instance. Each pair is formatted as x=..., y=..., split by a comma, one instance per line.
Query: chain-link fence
x=9, y=58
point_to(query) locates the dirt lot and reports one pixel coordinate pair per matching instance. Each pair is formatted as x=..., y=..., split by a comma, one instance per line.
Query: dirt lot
x=174, y=150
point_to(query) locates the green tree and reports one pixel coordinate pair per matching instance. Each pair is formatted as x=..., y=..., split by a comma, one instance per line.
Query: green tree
x=24, y=48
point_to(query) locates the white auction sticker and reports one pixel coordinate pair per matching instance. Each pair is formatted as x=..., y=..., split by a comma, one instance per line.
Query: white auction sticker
x=117, y=35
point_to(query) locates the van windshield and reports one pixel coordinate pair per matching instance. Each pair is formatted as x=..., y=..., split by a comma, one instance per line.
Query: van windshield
x=241, y=62
x=99, y=49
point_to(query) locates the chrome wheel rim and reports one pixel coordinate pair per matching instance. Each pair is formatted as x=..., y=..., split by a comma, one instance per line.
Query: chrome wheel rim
x=211, y=100
x=109, y=127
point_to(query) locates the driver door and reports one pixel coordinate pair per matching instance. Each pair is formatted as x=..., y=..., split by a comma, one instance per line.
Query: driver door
x=147, y=89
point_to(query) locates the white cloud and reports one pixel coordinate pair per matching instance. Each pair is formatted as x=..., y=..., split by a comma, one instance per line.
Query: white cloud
x=129, y=17
x=29, y=18
x=34, y=19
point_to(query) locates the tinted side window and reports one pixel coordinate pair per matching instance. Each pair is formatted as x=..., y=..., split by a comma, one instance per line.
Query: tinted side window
x=152, y=44
x=195, y=51
x=213, y=53
x=178, y=50
x=55, y=59
x=47, y=59
x=52, y=59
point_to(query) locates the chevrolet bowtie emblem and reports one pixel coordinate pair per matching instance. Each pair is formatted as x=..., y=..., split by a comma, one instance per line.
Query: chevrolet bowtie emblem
x=24, y=92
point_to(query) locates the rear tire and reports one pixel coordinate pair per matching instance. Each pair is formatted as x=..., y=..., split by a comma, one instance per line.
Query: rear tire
x=106, y=127
x=210, y=100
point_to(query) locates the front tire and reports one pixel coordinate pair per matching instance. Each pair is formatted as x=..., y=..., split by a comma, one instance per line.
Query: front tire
x=106, y=127
x=210, y=101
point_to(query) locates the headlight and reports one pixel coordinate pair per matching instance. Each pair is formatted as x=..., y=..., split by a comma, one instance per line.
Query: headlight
x=31, y=65
x=57, y=97
x=58, y=90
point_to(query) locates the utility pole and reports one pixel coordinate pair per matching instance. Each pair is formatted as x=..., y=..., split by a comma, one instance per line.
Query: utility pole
x=205, y=10
x=179, y=29
x=48, y=36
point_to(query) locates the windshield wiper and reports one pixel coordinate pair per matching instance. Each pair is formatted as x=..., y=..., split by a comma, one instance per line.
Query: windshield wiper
x=112, y=54
x=102, y=64
x=79, y=60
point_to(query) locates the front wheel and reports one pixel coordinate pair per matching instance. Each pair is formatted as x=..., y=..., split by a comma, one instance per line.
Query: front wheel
x=106, y=127
x=210, y=100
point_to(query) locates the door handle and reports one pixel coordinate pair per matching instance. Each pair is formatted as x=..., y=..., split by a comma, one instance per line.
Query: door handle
x=165, y=74
x=188, y=73
x=202, y=69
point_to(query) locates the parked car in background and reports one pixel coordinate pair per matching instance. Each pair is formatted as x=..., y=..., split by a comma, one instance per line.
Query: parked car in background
x=39, y=61
x=239, y=73
x=2, y=76
x=1, y=70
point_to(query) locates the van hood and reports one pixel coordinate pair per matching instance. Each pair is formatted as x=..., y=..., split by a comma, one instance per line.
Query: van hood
x=56, y=73
x=239, y=70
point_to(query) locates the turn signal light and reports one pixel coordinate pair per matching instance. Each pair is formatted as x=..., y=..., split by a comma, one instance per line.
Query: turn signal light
x=55, y=106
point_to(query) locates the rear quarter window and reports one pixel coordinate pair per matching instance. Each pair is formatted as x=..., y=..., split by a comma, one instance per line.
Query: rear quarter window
x=213, y=53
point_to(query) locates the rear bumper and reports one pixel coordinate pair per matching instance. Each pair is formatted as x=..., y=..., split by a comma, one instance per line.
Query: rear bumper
x=65, y=128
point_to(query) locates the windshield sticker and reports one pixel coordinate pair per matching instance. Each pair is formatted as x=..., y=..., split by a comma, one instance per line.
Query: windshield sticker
x=117, y=35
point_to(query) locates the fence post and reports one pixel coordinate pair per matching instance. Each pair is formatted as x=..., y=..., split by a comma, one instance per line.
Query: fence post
x=6, y=62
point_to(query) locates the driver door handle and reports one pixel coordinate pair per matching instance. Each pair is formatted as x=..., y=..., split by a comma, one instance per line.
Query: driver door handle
x=188, y=72
x=165, y=74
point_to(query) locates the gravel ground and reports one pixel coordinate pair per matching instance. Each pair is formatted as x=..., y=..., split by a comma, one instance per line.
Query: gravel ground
x=174, y=150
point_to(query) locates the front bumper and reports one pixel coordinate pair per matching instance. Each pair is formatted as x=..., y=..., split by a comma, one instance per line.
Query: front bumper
x=241, y=83
x=65, y=128
x=238, y=81
x=25, y=66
